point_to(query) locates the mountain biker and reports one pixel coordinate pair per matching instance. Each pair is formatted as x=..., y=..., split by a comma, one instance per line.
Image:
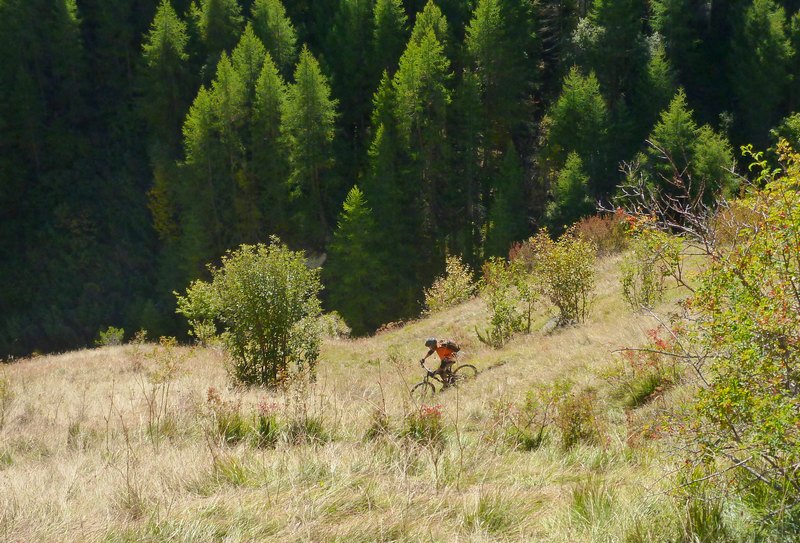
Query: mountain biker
x=446, y=354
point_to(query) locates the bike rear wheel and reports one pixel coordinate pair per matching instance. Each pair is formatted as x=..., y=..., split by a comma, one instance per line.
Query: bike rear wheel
x=423, y=390
x=464, y=372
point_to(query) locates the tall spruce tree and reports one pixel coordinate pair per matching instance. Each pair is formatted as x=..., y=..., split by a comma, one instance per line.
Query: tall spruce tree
x=389, y=34
x=268, y=149
x=219, y=23
x=277, y=32
x=508, y=213
x=352, y=274
x=578, y=122
x=570, y=196
x=498, y=62
x=307, y=123
x=759, y=69
x=422, y=97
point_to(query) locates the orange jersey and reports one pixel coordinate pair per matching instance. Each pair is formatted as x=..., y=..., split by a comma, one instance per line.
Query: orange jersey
x=444, y=353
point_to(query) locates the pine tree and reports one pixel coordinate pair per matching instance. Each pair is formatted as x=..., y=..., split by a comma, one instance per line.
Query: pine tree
x=276, y=31
x=422, y=97
x=655, y=89
x=166, y=77
x=508, y=220
x=219, y=23
x=578, y=122
x=352, y=273
x=681, y=153
x=759, y=69
x=498, y=62
x=430, y=19
x=269, y=154
x=248, y=59
x=349, y=57
x=307, y=123
x=571, y=199
x=389, y=34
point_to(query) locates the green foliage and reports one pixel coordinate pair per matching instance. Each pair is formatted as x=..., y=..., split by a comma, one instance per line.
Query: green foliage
x=571, y=200
x=748, y=311
x=684, y=158
x=276, y=31
x=228, y=424
x=110, y=336
x=333, y=326
x=266, y=299
x=759, y=75
x=508, y=219
x=654, y=257
x=497, y=290
x=389, y=33
x=430, y=19
x=425, y=425
x=352, y=272
x=454, y=287
x=565, y=271
x=307, y=123
x=648, y=372
x=578, y=122
x=577, y=417
x=219, y=23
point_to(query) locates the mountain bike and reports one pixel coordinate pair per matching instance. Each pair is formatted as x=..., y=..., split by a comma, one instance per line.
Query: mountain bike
x=457, y=376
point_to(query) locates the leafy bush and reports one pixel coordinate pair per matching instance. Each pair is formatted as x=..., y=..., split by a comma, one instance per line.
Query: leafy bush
x=565, y=270
x=646, y=373
x=229, y=425
x=577, y=417
x=425, y=425
x=747, y=311
x=497, y=290
x=110, y=336
x=268, y=426
x=454, y=287
x=200, y=307
x=333, y=326
x=608, y=232
x=267, y=300
x=525, y=426
x=655, y=256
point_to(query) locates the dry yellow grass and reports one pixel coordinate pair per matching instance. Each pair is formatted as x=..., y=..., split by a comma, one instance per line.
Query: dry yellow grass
x=82, y=459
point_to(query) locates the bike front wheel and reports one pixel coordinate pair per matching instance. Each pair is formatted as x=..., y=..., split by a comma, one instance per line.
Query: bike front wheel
x=464, y=372
x=423, y=390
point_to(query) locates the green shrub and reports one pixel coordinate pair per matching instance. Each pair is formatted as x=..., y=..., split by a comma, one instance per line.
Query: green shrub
x=110, y=336
x=229, y=425
x=655, y=256
x=608, y=232
x=307, y=429
x=333, y=326
x=526, y=426
x=267, y=427
x=267, y=300
x=497, y=290
x=577, y=417
x=702, y=514
x=425, y=425
x=646, y=373
x=564, y=269
x=454, y=287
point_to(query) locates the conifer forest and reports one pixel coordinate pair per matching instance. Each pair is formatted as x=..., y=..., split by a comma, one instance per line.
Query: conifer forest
x=142, y=139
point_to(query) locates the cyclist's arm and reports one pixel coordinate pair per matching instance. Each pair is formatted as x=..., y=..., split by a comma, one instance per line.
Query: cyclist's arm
x=427, y=355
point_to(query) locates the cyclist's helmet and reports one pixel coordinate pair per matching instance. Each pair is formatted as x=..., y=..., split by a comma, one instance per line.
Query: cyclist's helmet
x=430, y=343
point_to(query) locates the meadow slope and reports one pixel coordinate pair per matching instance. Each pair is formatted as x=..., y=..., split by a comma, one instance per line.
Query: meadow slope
x=88, y=452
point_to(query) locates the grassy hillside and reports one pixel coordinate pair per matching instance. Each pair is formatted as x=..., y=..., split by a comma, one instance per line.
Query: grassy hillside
x=92, y=450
